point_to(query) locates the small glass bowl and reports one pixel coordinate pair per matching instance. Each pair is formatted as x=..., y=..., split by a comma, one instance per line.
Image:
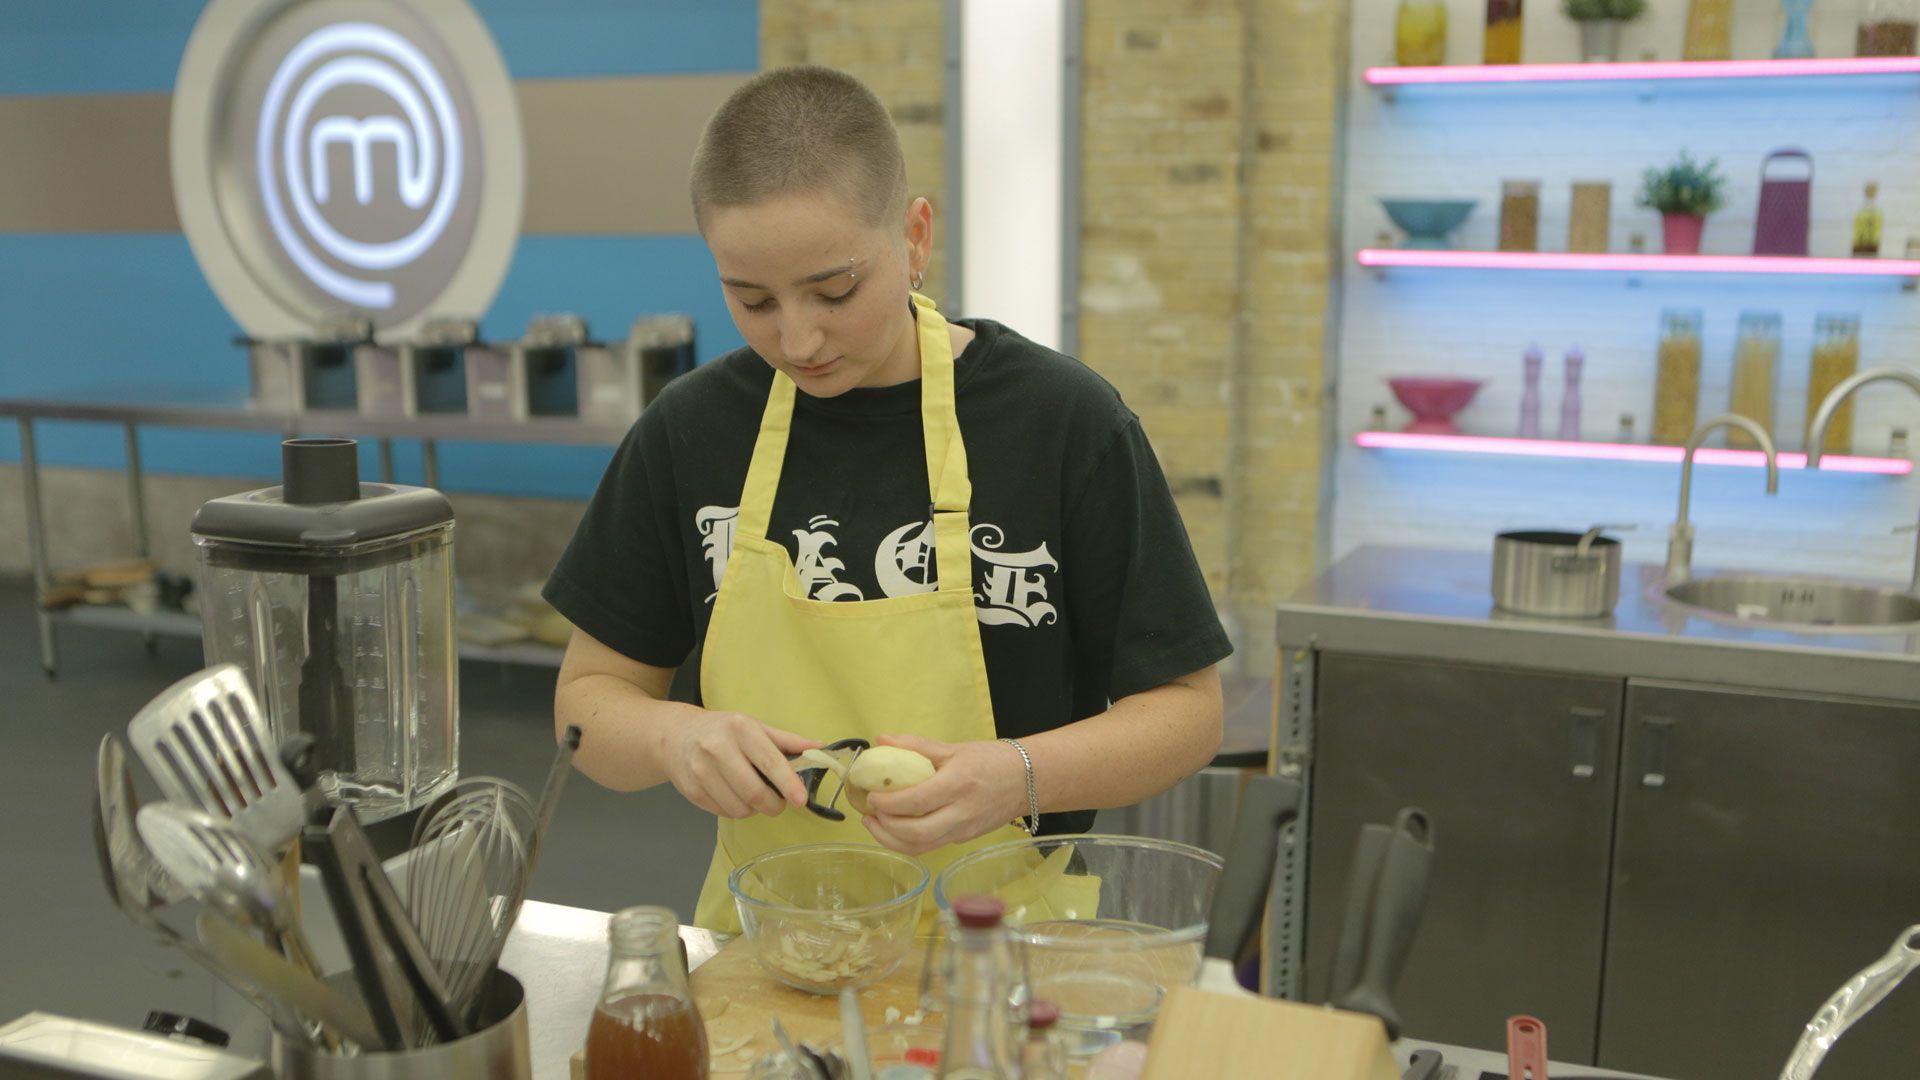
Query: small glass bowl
x=829, y=917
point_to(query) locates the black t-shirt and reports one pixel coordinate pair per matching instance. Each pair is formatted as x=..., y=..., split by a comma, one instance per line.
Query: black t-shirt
x=1086, y=585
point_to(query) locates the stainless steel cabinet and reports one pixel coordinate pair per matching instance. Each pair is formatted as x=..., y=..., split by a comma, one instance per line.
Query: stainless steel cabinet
x=1768, y=847
x=1519, y=771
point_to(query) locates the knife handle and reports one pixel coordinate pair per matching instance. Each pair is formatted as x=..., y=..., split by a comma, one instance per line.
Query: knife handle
x=1393, y=907
x=1526, y=1048
x=1266, y=806
x=1425, y=1065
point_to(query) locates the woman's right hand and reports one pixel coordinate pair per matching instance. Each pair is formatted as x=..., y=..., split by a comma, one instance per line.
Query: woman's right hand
x=713, y=762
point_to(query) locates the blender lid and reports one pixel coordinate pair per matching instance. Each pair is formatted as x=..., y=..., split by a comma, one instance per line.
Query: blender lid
x=322, y=504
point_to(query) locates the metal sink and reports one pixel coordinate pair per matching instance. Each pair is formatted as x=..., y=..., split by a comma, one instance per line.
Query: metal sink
x=1799, y=602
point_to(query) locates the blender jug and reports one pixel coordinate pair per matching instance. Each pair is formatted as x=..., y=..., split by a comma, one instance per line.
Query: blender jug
x=336, y=599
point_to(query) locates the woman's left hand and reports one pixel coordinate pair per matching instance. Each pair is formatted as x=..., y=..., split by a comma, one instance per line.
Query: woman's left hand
x=976, y=787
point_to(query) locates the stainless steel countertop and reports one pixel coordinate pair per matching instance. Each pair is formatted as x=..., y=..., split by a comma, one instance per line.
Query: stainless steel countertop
x=1468, y=1064
x=1410, y=602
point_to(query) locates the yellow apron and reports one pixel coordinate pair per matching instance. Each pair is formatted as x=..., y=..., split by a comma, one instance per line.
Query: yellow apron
x=829, y=669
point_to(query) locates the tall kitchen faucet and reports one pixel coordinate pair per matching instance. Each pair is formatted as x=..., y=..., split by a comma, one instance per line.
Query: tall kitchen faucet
x=1680, y=536
x=1823, y=418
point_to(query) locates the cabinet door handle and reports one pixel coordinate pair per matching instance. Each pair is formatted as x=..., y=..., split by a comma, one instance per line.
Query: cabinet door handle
x=1586, y=741
x=1658, y=730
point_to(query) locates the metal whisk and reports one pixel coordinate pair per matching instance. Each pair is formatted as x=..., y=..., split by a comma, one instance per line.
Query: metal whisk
x=471, y=861
x=465, y=882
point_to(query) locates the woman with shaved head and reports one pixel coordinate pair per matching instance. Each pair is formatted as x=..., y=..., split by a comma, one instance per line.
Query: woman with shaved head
x=876, y=523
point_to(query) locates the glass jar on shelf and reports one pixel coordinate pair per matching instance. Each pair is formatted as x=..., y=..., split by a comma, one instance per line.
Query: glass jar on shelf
x=1520, y=215
x=1709, y=30
x=1756, y=372
x=1836, y=355
x=1676, y=387
x=1420, y=33
x=1504, y=22
x=1888, y=28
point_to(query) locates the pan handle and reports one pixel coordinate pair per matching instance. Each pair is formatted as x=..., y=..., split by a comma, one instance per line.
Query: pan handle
x=1851, y=1002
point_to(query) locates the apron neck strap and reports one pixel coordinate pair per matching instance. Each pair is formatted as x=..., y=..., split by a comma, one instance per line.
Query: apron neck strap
x=948, y=484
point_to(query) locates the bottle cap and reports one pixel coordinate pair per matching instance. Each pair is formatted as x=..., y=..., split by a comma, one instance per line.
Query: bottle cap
x=979, y=912
x=1042, y=1015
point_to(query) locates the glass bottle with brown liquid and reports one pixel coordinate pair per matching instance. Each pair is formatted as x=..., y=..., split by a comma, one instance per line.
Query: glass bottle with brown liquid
x=646, y=1024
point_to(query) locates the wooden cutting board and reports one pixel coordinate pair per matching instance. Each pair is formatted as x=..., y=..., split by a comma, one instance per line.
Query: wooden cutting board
x=1201, y=1033
x=739, y=1000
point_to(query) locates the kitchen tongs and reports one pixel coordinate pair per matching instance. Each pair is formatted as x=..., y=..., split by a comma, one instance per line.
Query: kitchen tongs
x=397, y=976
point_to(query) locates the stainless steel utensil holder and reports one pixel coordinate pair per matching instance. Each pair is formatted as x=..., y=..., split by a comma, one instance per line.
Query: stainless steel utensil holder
x=500, y=1050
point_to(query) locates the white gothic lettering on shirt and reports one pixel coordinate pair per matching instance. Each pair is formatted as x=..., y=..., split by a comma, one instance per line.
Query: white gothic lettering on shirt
x=715, y=525
x=1014, y=589
x=815, y=568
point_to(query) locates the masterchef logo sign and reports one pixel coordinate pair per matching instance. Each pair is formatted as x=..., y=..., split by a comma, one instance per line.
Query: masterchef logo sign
x=333, y=157
x=357, y=99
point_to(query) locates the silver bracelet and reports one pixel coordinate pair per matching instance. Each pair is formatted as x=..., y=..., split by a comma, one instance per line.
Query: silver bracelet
x=1030, y=823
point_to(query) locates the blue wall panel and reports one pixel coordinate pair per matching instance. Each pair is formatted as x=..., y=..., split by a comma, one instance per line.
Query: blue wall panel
x=126, y=46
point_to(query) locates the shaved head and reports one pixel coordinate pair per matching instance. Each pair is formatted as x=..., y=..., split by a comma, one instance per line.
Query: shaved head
x=801, y=130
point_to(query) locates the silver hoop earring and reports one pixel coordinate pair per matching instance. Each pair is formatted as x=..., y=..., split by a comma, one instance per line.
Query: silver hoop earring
x=918, y=279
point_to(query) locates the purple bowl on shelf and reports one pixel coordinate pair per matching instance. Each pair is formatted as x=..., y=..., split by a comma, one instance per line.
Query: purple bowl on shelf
x=1434, y=400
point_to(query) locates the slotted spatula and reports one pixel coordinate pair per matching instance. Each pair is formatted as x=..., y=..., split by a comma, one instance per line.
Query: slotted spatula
x=137, y=885
x=224, y=870
x=208, y=745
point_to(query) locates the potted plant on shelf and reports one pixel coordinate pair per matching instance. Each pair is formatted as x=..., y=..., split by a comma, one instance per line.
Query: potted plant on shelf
x=1600, y=22
x=1684, y=192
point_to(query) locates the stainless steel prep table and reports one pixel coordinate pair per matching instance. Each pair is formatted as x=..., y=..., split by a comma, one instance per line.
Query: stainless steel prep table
x=1671, y=748
x=213, y=411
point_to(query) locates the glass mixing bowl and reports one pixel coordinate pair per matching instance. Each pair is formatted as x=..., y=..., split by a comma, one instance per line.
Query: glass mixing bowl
x=829, y=917
x=1105, y=925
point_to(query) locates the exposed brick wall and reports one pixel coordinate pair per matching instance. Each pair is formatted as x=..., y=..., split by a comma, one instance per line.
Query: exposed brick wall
x=897, y=47
x=1166, y=195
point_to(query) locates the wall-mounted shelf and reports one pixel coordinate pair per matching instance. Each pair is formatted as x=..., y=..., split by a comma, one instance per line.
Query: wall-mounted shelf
x=1650, y=71
x=1600, y=451
x=1429, y=259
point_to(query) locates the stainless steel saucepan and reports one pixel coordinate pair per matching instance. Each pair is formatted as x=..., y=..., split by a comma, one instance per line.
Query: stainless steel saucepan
x=1565, y=575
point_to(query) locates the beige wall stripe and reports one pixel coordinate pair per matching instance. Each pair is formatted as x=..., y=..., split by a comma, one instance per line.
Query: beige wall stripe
x=603, y=156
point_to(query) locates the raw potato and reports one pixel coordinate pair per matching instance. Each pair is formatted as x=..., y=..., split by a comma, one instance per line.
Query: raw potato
x=888, y=768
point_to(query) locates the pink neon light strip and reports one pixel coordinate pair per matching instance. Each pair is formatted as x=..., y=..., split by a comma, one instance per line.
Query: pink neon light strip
x=1694, y=69
x=1665, y=455
x=1657, y=264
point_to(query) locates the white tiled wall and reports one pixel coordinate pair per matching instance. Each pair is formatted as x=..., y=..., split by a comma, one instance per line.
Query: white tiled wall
x=1463, y=141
